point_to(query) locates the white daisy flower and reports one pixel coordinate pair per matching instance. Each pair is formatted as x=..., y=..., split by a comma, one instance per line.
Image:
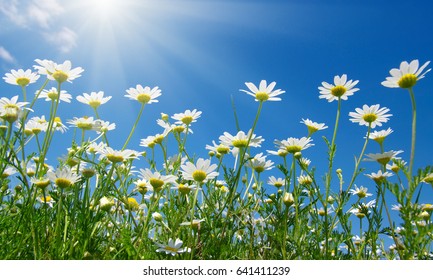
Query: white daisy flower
x=63, y=177
x=58, y=125
x=428, y=179
x=52, y=95
x=218, y=148
x=20, y=77
x=101, y=126
x=313, y=126
x=259, y=163
x=144, y=95
x=276, y=182
x=264, y=92
x=379, y=177
x=94, y=99
x=341, y=89
x=10, y=109
x=96, y=148
x=240, y=140
x=361, y=192
x=407, y=76
x=200, y=172
x=47, y=200
x=156, y=179
x=382, y=158
x=58, y=72
x=294, y=145
x=379, y=136
x=280, y=152
x=116, y=156
x=370, y=115
x=305, y=180
x=173, y=247
x=84, y=123
x=187, y=117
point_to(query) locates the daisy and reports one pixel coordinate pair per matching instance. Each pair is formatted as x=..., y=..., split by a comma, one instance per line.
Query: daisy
x=396, y=165
x=94, y=147
x=288, y=199
x=144, y=95
x=361, y=192
x=84, y=123
x=106, y=203
x=264, y=92
x=276, y=182
x=35, y=126
x=58, y=125
x=240, y=140
x=151, y=141
x=40, y=183
x=200, y=172
x=294, y=145
x=304, y=162
x=370, y=115
x=184, y=188
x=187, y=117
x=173, y=247
x=379, y=136
x=407, y=76
x=305, y=180
x=52, y=95
x=156, y=179
x=101, y=126
x=21, y=77
x=10, y=109
x=379, y=176
x=9, y=171
x=280, y=152
x=313, y=126
x=94, y=99
x=58, y=72
x=340, y=90
x=116, y=156
x=218, y=148
x=47, y=200
x=382, y=158
x=63, y=177
x=260, y=164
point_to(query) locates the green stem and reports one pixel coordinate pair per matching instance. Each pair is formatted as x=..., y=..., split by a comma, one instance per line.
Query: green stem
x=134, y=127
x=412, y=148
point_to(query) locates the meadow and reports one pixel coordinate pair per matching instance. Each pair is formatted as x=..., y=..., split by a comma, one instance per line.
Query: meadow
x=137, y=201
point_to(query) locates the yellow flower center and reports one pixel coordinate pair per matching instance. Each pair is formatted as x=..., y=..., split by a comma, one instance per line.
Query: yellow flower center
x=60, y=76
x=143, y=98
x=11, y=106
x=383, y=160
x=222, y=149
x=294, y=149
x=46, y=199
x=259, y=169
x=369, y=118
x=156, y=183
x=52, y=95
x=184, y=189
x=23, y=81
x=199, y=175
x=360, y=215
x=171, y=249
x=428, y=179
x=94, y=103
x=63, y=183
x=187, y=120
x=240, y=143
x=115, y=158
x=42, y=184
x=282, y=153
x=85, y=125
x=407, y=81
x=278, y=184
x=179, y=129
x=132, y=204
x=338, y=91
x=262, y=96
x=158, y=139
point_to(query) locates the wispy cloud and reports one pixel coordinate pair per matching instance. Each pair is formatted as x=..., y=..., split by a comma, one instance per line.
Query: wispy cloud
x=41, y=16
x=64, y=40
x=5, y=55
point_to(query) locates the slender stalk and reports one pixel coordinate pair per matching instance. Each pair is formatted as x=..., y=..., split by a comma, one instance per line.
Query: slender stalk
x=134, y=126
x=412, y=147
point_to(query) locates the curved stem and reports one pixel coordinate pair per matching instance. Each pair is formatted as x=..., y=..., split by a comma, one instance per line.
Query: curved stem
x=134, y=126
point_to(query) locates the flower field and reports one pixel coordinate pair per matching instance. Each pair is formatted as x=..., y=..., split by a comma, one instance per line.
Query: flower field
x=138, y=201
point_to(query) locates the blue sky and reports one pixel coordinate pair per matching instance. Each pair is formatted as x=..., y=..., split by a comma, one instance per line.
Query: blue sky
x=200, y=53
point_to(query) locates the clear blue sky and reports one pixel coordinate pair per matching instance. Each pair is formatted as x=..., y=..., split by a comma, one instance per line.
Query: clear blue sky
x=200, y=53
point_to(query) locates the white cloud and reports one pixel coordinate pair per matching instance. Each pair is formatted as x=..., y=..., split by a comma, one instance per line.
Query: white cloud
x=65, y=39
x=40, y=16
x=5, y=55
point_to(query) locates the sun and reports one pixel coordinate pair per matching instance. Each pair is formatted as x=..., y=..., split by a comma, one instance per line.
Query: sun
x=104, y=9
